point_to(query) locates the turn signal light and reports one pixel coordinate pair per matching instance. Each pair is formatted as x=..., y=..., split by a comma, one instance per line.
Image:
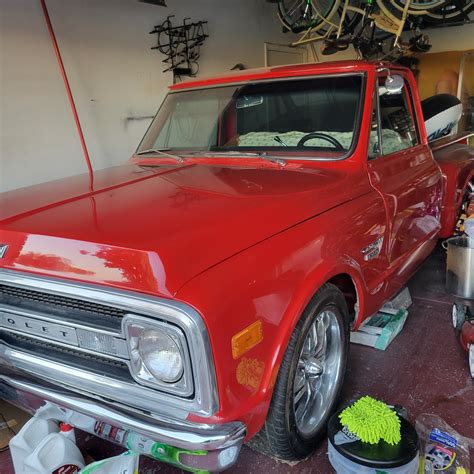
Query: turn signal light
x=246, y=339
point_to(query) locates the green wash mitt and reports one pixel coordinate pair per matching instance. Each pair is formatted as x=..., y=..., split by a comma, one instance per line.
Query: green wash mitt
x=372, y=420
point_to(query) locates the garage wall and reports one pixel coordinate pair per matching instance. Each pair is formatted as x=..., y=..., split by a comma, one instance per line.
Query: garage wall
x=117, y=81
x=452, y=38
x=115, y=77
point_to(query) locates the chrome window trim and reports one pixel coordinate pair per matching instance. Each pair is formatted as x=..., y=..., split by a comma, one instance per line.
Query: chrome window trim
x=358, y=118
x=205, y=401
x=270, y=79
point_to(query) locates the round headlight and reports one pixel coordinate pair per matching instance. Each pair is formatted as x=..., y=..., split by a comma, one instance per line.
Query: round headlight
x=161, y=355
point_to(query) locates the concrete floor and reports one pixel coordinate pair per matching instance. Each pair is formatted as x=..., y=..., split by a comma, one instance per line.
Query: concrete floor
x=424, y=369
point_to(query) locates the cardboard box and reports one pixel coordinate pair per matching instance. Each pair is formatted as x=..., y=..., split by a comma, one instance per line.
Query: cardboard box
x=12, y=420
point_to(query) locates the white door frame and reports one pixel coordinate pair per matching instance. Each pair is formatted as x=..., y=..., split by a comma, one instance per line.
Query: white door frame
x=283, y=48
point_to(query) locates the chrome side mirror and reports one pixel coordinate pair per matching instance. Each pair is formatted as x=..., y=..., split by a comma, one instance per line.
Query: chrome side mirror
x=394, y=84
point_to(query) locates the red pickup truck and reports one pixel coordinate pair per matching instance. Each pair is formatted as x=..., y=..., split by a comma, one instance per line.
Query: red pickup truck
x=202, y=295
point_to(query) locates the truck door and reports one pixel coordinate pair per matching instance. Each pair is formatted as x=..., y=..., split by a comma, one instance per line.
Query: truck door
x=402, y=169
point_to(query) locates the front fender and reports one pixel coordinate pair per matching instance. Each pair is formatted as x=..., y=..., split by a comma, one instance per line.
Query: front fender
x=272, y=282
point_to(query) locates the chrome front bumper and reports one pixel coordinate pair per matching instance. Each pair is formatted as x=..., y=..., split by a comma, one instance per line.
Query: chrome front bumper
x=190, y=446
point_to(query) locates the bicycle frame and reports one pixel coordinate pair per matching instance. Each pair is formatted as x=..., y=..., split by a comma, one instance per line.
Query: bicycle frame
x=384, y=19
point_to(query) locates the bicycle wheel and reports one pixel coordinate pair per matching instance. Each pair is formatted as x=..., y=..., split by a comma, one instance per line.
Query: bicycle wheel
x=453, y=11
x=300, y=15
x=351, y=19
x=418, y=5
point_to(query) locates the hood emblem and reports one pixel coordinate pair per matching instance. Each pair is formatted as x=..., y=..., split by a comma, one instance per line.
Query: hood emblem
x=3, y=250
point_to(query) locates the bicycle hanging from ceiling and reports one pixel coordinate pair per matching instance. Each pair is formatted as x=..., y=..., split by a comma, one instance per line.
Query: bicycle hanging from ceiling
x=373, y=27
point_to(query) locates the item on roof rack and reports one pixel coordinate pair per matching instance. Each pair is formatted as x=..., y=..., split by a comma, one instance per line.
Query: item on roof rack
x=442, y=448
x=372, y=437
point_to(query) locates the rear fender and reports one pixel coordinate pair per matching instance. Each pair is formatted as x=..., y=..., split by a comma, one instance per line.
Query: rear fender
x=457, y=165
x=456, y=189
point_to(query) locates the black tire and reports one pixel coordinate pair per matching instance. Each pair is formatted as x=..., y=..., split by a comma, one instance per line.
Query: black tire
x=351, y=20
x=416, y=6
x=298, y=19
x=280, y=435
x=452, y=12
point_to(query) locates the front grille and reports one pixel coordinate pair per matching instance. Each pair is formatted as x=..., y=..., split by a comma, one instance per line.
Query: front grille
x=58, y=312
x=65, y=308
x=69, y=356
x=74, y=336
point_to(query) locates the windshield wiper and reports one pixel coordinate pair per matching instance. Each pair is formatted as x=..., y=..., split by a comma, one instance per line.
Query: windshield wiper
x=221, y=153
x=263, y=155
x=178, y=158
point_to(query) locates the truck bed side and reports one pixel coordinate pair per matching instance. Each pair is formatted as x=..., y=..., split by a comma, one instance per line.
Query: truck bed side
x=456, y=160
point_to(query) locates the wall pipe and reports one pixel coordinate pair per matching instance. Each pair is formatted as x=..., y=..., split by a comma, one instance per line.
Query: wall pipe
x=69, y=94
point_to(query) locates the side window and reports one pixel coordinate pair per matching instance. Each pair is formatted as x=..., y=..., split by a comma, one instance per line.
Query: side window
x=398, y=129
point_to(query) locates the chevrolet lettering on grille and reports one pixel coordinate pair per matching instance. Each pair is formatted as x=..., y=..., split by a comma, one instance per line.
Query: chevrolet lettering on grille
x=37, y=327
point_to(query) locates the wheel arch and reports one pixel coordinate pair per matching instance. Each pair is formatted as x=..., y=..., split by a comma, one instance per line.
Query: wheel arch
x=347, y=278
x=345, y=283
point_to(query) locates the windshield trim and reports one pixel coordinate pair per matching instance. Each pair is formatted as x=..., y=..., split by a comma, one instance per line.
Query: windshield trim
x=357, y=123
x=263, y=80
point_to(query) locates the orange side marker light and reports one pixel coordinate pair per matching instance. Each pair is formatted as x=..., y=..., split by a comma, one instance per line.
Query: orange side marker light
x=244, y=340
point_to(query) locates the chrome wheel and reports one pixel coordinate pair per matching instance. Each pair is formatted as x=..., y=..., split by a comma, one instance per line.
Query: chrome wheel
x=309, y=379
x=318, y=373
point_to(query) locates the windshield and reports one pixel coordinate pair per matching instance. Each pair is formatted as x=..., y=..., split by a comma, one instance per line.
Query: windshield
x=317, y=115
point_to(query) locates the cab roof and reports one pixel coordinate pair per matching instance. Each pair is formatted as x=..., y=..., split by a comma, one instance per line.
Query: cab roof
x=277, y=72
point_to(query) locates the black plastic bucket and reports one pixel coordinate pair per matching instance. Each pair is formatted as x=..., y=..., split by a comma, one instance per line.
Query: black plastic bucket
x=350, y=455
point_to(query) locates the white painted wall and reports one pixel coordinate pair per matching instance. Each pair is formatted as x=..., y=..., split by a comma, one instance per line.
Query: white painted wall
x=452, y=38
x=112, y=71
x=114, y=75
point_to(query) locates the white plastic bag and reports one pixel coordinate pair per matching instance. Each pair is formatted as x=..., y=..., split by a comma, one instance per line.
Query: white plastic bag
x=125, y=463
x=442, y=448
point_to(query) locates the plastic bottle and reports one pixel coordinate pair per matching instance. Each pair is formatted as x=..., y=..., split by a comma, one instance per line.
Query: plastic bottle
x=55, y=454
x=28, y=438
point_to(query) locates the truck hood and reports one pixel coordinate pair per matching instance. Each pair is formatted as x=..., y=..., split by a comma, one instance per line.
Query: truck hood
x=153, y=229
